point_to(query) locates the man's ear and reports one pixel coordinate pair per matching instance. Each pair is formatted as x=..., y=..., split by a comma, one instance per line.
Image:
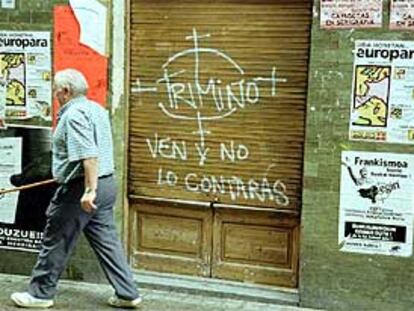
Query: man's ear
x=67, y=91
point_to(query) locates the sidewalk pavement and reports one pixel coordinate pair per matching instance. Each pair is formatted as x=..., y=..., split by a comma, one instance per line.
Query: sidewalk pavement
x=86, y=296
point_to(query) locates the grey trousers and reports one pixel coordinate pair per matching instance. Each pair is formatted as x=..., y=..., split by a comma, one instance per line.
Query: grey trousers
x=65, y=222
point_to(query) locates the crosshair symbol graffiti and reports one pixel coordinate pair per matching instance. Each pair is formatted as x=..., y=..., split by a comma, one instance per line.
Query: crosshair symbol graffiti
x=227, y=98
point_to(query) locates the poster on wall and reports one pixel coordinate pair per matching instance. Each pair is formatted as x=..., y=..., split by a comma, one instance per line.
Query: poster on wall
x=347, y=14
x=376, y=203
x=92, y=17
x=402, y=15
x=25, y=63
x=10, y=155
x=26, y=158
x=8, y=4
x=69, y=52
x=382, y=103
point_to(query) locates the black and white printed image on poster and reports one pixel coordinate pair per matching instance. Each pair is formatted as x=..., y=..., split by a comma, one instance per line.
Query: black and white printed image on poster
x=25, y=65
x=23, y=213
x=382, y=108
x=376, y=203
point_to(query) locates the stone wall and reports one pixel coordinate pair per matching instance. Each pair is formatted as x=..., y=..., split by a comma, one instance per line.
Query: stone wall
x=331, y=279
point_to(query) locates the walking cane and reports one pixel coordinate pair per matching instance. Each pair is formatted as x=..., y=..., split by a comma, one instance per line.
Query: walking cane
x=28, y=186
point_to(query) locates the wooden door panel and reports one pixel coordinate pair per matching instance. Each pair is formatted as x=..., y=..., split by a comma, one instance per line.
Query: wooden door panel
x=255, y=246
x=170, y=234
x=169, y=237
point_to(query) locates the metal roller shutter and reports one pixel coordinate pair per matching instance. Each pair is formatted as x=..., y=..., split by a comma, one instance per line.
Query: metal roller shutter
x=217, y=112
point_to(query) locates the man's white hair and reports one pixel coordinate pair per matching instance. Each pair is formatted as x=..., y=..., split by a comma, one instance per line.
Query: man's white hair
x=73, y=80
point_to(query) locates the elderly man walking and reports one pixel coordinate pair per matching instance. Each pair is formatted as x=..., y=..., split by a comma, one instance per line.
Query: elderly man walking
x=83, y=167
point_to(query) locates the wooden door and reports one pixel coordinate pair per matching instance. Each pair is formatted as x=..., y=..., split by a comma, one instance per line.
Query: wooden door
x=216, y=131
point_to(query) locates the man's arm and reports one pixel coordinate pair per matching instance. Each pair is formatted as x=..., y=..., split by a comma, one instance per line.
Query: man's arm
x=90, y=167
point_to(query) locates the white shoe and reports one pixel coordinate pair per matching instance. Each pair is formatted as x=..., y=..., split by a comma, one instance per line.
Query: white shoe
x=26, y=300
x=116, y=302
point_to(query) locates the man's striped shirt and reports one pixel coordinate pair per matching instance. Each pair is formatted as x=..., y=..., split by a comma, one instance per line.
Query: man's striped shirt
x=83, y=131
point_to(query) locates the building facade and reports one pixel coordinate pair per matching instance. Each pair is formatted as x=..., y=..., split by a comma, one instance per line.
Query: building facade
x=233, y=124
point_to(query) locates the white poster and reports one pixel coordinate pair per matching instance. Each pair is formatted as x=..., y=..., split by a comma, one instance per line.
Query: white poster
x=11, y=156
x=382, y=103
x=402, y=15
x=376, y=203
x=25, y=63
x=92, y=18
x=346, y=14
x=8, y=4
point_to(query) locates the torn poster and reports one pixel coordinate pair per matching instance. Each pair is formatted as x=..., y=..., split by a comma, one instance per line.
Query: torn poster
x=70, y=53
x=25, y=219
x=92, y=18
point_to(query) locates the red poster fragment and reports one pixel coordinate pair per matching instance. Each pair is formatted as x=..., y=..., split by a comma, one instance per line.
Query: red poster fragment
x=70, y=53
